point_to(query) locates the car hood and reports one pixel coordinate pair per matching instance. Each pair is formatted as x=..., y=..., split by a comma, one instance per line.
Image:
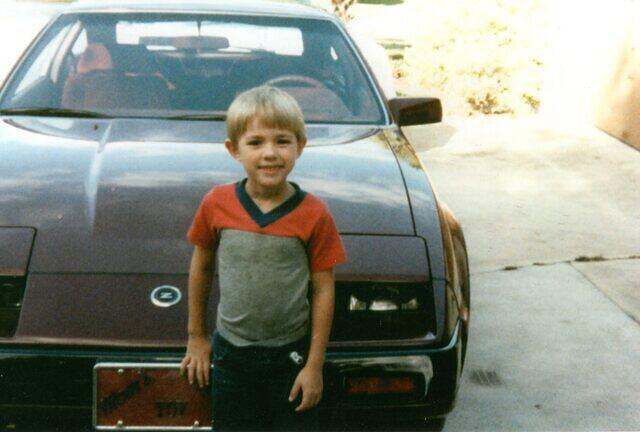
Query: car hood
x=117, y=196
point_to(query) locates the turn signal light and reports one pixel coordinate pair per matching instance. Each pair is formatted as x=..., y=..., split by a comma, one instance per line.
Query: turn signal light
x=355, y=304
x=380, y=385
x=411, y=304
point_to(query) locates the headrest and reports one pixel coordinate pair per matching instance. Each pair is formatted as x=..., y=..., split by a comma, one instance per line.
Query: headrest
x=136, y=59
x=95, y=57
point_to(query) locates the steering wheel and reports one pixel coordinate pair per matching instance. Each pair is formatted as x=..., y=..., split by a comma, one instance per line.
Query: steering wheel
x=296, y=80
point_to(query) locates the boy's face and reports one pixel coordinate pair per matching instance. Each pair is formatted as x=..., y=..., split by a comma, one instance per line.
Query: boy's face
x=267, y=154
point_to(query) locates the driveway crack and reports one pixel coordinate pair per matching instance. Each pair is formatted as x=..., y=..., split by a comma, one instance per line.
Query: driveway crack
x=571, y=262
x=578, y=259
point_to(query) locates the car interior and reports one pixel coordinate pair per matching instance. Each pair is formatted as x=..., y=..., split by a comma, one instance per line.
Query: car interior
x=121, y=66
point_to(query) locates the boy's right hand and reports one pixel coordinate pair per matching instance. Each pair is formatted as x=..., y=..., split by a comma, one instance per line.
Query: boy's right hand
x=197, y=361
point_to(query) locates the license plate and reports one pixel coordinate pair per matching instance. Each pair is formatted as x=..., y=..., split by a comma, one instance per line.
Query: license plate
x=139, y=396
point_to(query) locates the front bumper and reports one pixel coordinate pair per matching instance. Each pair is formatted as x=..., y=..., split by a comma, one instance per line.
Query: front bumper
x=437, y=372
x=56, y=386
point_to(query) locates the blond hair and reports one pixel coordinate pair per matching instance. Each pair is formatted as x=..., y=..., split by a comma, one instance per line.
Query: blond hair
x=274, y=107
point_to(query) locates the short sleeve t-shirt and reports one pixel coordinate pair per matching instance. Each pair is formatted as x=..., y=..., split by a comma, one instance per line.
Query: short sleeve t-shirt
x=265, y=261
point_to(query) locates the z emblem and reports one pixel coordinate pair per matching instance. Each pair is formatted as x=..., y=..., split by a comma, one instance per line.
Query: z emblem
x=165, y=296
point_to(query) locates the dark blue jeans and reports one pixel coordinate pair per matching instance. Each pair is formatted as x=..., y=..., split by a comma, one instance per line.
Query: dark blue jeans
x=251, y=386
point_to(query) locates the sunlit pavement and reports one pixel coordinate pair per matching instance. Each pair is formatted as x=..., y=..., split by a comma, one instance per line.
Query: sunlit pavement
x=551, y=214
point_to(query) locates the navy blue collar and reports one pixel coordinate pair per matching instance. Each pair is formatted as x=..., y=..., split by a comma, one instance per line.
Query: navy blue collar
x=264, y=219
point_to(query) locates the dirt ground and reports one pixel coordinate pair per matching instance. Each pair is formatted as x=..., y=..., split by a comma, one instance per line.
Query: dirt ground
x=479, y=57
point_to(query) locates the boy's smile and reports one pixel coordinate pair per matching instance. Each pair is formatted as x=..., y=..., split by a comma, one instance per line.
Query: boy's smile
x=268, y=154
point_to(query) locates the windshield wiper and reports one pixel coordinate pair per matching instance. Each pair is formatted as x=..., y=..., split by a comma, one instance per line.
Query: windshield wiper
x=52, y=112
x=203, y=116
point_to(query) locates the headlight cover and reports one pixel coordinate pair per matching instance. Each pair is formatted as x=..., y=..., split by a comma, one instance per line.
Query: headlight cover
x=383, y=311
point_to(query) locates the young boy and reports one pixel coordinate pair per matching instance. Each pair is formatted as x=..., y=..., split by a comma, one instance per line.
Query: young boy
x=270, y=238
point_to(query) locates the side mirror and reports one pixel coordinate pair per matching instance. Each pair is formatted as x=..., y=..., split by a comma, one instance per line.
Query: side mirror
x=415, y=111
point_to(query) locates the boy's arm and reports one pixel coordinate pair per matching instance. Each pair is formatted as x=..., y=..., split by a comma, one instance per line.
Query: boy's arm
x=322, y=304
x=197, y=360
x=309, y=380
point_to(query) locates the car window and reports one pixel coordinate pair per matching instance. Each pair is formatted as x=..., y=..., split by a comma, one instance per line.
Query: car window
x=130, y=32
x=279, y=40
x=179, y=64
x=80, y=44
x=40, y=66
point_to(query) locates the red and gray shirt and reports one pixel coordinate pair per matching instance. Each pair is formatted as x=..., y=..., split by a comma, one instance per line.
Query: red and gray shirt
x=265, y=261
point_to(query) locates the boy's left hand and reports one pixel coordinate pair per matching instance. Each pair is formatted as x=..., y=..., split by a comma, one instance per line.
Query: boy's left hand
x=309, y=381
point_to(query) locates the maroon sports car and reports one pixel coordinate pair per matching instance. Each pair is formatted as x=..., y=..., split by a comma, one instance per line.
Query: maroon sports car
x=111, y=131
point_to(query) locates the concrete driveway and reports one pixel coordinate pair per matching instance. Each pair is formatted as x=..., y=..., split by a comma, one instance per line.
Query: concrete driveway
x=552, y=221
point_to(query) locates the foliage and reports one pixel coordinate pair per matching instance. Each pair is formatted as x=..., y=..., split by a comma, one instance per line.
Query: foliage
x=480, y=57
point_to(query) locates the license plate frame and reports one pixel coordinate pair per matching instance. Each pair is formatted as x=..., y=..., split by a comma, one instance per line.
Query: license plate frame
x=134, y=382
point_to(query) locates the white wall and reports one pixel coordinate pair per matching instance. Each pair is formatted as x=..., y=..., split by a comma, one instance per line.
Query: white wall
x=584, y=37
x=19, y=23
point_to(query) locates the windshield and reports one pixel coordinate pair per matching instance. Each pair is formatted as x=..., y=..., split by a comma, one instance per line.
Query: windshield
x=179, y=65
